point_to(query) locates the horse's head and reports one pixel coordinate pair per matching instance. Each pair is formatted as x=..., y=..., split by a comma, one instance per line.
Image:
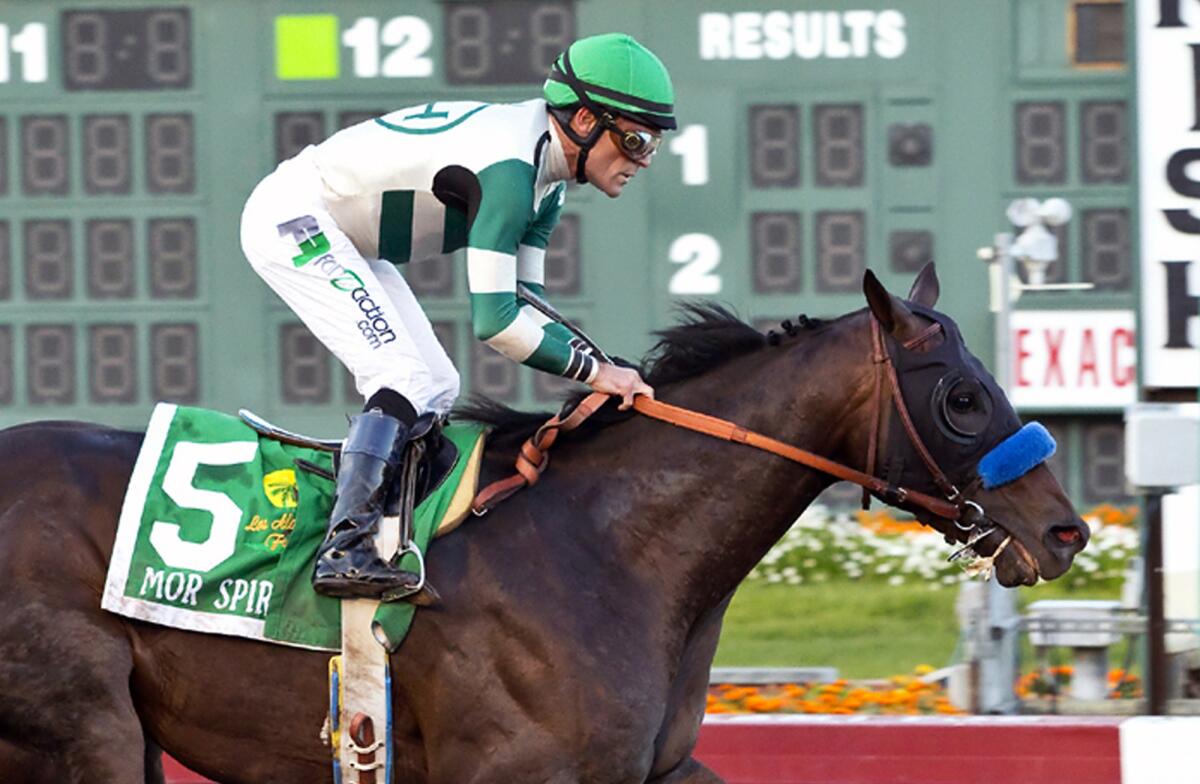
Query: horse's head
x=993, y=469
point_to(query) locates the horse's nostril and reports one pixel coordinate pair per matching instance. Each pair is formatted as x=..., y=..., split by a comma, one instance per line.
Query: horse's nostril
x=1067, y=534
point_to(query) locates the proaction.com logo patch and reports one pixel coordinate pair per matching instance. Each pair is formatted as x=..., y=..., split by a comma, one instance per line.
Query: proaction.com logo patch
x=314, y=249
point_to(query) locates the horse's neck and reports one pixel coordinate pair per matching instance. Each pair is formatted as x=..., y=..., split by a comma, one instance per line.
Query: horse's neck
x=708, y=511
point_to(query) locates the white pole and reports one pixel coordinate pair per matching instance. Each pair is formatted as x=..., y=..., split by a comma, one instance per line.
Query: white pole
x=998, y=643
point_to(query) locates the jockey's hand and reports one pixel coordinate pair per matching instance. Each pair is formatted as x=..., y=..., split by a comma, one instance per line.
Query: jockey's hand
x=622, y=381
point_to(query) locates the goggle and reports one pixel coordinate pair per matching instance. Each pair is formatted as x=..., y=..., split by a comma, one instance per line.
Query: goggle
x=635, y=145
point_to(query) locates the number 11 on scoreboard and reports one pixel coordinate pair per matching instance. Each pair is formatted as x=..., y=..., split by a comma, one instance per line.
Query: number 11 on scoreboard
x=30, y=44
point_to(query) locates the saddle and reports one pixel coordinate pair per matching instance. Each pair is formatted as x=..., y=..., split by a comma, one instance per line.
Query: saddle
x=439, y=453
x=438, y=458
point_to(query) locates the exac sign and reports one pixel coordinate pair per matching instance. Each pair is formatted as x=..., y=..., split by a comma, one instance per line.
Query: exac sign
x=1168, y=63
x=1073, y=359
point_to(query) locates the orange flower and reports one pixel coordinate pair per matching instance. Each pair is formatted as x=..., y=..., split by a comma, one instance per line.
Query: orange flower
x=882, y=522
x=740, y=693
x=899, y=695
x=1108, y=514
x=760, y=704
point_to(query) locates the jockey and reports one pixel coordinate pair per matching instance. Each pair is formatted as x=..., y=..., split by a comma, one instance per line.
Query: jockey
x=326, y=228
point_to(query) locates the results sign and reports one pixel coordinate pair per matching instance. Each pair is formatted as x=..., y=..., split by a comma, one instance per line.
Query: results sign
x=1168, y=62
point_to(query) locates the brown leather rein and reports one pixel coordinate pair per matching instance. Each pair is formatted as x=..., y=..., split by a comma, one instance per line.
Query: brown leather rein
x=533, y=457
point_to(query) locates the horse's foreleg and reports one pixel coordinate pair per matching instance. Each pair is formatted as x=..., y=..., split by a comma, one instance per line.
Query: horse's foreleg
x=66, y=691
x=690, y=772
x=106, y=749
x=152, y=759
x=99, y=733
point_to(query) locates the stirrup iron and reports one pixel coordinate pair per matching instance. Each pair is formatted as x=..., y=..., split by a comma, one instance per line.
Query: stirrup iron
x=414, y=453
x=401, y=593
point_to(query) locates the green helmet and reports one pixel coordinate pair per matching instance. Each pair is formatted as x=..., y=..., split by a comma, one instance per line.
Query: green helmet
x=613, y=72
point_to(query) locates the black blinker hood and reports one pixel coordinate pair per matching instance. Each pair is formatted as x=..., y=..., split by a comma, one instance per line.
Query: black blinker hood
x=919, y=373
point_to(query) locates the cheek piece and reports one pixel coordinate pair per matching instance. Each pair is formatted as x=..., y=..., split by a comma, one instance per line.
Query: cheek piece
x=1016, y=455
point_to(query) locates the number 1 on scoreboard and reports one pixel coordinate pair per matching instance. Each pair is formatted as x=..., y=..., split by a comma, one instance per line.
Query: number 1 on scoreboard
x=691, y=144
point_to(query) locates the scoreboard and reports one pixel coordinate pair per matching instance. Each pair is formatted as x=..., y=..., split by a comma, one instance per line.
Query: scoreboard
x=816, y=139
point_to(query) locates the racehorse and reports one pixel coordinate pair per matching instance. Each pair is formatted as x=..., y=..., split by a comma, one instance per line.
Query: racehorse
x=576, y=623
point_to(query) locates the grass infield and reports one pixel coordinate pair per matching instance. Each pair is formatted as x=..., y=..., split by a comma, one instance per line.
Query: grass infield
x=865, y=629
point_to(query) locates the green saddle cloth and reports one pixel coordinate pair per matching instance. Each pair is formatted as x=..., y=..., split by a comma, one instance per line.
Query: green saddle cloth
x=219, y=531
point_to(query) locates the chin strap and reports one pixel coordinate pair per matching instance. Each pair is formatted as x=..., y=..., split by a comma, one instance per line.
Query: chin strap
x=580, y=174
x=585, y=144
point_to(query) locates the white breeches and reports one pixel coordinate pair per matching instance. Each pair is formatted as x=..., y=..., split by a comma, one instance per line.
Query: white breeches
x=361, y=309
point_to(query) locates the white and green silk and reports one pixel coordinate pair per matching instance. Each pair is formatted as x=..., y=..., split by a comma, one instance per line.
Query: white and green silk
x=379, y=188
x=326, y=227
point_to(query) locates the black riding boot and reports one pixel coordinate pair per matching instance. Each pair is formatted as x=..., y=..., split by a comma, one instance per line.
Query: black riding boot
x=348, y=564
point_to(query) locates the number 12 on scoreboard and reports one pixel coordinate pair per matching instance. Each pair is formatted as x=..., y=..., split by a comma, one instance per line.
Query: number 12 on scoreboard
x=30, y=45
x=306, y=47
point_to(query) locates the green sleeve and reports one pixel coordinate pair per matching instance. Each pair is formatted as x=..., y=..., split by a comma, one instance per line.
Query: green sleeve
x=501, y=225
x=505, y=202
x=549, y=211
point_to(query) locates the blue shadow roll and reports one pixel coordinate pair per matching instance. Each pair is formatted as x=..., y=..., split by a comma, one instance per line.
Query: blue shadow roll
x=1016, y=455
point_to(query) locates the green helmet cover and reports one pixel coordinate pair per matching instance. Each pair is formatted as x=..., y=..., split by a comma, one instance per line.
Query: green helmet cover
x=613, y=71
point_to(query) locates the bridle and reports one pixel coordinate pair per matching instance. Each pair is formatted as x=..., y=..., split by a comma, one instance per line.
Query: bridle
x=966, y=511
x=966, y=515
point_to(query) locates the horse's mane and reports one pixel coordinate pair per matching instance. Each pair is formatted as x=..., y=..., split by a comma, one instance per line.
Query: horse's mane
x=706, y=336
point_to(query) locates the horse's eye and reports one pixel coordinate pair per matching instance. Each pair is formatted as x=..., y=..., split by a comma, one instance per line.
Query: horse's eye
x=962, y=406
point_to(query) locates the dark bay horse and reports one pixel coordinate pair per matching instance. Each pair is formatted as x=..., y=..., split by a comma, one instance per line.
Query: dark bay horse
x=577, y=622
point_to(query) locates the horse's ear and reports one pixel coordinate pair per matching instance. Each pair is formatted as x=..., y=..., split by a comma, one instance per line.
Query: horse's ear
x=895, y=318
x=925, y=288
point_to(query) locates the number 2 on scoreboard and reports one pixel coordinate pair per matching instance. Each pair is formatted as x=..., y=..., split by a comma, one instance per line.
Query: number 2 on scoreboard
x=700, y=254
x=30, y=44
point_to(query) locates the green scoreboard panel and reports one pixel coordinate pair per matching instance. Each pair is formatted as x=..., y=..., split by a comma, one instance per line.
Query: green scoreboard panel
x=816, y=139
